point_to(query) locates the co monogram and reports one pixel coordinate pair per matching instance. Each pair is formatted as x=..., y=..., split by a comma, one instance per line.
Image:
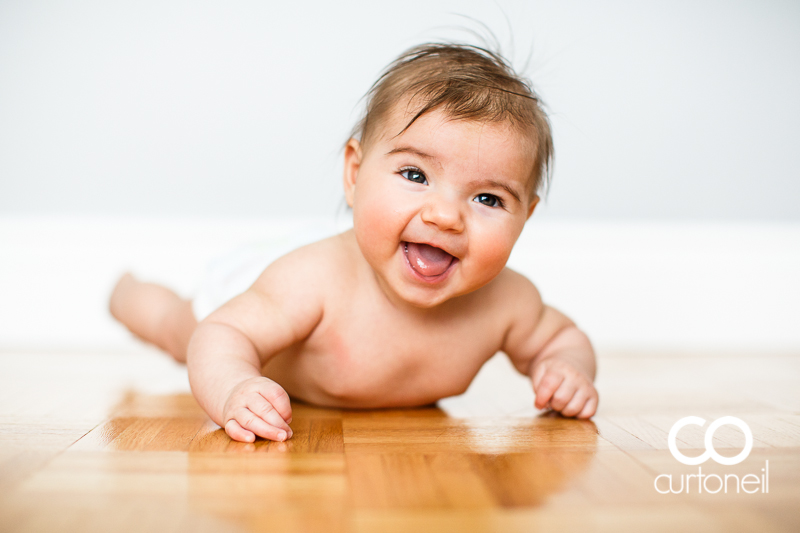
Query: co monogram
x=710, y=451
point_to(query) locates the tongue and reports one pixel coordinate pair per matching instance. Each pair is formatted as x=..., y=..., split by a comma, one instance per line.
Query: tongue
x=427, y=260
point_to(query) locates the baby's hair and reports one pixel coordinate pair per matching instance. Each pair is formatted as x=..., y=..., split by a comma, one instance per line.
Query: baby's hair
x=467, y=82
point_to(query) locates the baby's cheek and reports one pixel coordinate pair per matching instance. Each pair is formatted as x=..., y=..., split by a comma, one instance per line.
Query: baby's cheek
x=376, y=228
x=492, y=255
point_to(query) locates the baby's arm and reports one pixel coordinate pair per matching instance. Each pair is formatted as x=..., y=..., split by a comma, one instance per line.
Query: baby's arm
x=547, y=346
x=229, y=348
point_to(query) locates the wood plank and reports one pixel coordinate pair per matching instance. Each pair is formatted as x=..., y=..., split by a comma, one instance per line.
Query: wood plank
x=105, y=453
x=405, y=480
x=617, y=436
x=479, y=435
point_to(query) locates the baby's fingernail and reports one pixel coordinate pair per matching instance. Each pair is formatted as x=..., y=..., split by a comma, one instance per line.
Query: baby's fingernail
x=291, y=433
x=282, y=435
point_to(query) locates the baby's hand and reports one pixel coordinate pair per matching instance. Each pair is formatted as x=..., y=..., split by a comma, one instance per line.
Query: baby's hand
x=258, y=406
x=561, y=385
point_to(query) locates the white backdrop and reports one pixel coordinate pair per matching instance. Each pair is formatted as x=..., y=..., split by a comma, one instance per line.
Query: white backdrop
x=153, y=135
x=661, y=110
x=666, y=287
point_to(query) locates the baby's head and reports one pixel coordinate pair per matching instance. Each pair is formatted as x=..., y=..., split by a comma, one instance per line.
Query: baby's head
x=443, y=170
x=465, y=83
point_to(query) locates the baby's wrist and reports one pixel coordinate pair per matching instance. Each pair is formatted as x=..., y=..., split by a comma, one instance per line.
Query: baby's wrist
x=582, y=362
x=215, y=391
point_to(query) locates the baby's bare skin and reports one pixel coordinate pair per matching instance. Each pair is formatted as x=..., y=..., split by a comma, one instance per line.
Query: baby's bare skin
x=357, y=321
x=361, y=351
x=365, y=352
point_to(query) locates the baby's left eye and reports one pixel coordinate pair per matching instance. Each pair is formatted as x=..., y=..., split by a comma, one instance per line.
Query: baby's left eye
x=489, y=200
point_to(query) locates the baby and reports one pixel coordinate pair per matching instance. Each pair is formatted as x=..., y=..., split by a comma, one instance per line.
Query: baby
x=441, y=174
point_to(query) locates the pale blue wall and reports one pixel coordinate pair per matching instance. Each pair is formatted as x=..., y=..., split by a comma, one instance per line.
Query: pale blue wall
x=676, y=110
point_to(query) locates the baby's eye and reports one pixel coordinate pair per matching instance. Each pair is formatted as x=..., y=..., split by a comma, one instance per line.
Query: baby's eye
x=489, y=200
x=415, y=175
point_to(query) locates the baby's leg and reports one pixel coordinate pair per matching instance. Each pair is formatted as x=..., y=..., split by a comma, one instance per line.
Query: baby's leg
x=155, y=314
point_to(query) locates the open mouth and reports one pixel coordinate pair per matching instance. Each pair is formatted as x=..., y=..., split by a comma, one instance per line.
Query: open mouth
x=428, y=261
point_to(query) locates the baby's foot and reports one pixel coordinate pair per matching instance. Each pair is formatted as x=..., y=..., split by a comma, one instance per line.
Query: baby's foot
x=153, y=313
x=128, y=304
x=121, y=296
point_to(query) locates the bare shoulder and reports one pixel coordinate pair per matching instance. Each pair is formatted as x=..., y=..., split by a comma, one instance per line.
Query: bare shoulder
x=517, y=293
x=287, y=300
x=522, y=306
x=306, y=272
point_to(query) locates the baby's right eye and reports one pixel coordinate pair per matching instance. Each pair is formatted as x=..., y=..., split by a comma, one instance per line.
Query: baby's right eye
x=415, y=175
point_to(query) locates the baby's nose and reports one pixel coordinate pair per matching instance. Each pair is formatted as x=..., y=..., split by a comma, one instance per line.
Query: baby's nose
x=444, y=214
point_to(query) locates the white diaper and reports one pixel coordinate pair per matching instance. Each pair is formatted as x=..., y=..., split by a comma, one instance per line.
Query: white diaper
x=232, y=274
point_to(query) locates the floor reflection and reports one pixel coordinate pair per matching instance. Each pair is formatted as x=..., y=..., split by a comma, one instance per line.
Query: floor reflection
x=343, y=461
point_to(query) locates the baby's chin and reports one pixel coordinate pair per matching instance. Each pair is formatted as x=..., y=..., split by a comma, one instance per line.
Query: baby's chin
x=423, y=297
x=402, y=292
x=427, y=301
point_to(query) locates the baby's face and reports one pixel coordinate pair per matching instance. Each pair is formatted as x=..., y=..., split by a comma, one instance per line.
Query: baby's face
x=438, y=209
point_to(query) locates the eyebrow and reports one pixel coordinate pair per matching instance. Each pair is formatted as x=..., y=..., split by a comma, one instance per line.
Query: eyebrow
x=480, y=183
x=410, y=150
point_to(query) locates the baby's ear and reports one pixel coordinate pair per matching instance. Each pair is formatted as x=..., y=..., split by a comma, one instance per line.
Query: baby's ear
x=352, y=162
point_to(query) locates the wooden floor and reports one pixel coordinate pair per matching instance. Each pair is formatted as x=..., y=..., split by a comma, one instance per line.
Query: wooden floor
x=115, y=442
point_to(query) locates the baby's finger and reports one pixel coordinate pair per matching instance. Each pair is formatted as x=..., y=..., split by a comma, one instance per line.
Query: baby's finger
x=265, y=410
x=563, y=395
x=576, y=404
x=278, y=398
x=547, y=386
x=249, y=420
x=538, y=374
x=589, y=409
x=236, y=432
